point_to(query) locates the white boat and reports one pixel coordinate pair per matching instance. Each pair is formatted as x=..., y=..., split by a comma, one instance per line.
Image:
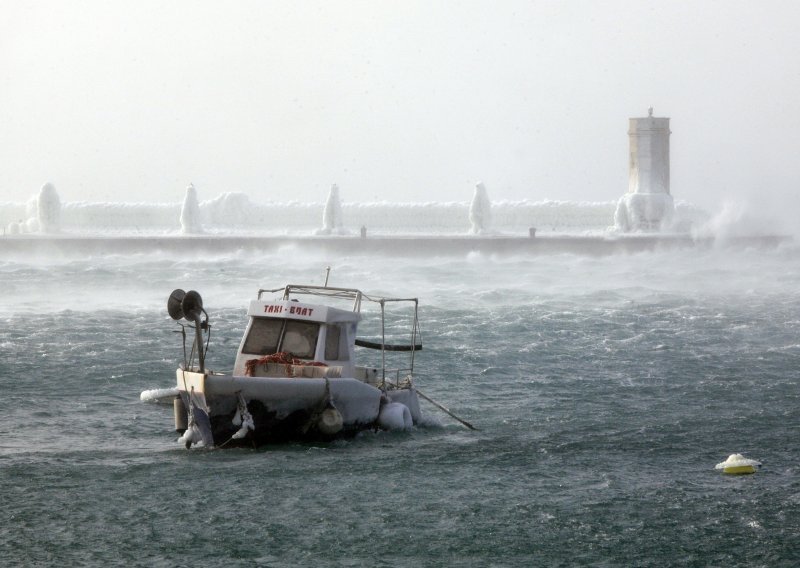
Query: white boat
x=296, y=375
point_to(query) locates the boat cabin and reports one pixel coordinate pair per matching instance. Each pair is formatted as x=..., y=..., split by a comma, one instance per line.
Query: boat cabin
x=310, y=332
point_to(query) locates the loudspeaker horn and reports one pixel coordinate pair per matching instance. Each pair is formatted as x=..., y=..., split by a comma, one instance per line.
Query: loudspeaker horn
x=192, y=305
x=174, y=304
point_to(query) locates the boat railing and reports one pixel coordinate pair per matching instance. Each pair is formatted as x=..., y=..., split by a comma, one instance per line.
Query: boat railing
x=352, y=294
x=406, y=376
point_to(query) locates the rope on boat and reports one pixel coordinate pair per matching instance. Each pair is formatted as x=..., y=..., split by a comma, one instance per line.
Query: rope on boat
x=324, y=404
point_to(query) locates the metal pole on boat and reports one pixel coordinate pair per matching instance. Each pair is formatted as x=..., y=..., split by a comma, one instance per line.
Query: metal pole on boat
x=198, y=336
x=327, y=275
x=383, y=341
x=442, y=408
x=414, y=333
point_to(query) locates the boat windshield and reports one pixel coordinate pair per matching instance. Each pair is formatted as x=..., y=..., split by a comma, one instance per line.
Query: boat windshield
x=271, y=335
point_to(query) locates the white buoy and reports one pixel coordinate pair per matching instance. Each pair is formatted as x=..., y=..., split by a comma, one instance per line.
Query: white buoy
x=738, y=464
x=395, y=416
x=330, y=421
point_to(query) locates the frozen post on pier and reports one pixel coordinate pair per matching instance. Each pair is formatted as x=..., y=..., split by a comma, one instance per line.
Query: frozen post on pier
x=480, y=210
x=648, y=205
x=190, y=213
x=332, y=218
x=48, y=208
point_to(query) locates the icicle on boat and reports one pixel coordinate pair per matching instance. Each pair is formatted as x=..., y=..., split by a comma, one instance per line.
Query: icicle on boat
x=295, y=376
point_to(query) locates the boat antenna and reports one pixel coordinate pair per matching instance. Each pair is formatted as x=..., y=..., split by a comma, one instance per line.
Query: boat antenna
x=327, y=275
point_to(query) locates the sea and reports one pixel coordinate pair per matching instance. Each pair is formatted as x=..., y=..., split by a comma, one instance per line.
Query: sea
x=604, y=390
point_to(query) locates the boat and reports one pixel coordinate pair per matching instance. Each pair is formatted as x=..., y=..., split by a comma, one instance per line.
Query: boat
x=297, y=374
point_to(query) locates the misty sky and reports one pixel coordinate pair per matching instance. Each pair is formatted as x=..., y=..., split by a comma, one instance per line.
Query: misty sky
x=401, y=101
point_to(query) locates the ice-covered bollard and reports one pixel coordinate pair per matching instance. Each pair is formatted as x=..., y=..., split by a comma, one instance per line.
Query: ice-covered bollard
x=332, y=218
x=190, y=212
x=480, y=210
x=48, y=209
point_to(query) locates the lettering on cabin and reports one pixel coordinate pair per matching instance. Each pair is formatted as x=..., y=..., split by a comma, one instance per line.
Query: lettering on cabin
x=300, y=311
x=295, y=310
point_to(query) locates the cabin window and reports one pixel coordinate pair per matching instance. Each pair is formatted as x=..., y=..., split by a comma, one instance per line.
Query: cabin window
x=300, y=339
x=263, y=336
x=332, y=343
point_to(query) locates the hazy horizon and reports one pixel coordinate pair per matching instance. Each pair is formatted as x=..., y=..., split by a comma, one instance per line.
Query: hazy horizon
x=395, y=102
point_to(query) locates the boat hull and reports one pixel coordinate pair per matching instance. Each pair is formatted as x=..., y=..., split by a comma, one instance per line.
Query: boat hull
x=284, y=409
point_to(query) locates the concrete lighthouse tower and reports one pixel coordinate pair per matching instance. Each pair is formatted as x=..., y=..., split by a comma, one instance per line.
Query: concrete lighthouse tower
x=648, y=205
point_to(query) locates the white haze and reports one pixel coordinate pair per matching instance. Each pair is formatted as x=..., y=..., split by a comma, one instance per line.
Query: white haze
x=404, y=102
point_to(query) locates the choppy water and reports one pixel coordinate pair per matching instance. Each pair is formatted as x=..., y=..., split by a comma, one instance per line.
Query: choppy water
x=605, y=390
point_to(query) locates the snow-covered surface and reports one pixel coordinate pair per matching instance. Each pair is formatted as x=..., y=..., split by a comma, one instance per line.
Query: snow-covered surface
x=236, y=214
x=159, y=395
x=737, y=460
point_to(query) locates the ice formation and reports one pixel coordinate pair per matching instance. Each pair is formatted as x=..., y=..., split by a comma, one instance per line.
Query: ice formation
x=242, y=418
x=190, y=213
x=480, y=211
x=235, y=213
x=155, y=395
x=644, y=212
x=332, y=218
x=737, y=463
x=232, y=209
x=48, y=209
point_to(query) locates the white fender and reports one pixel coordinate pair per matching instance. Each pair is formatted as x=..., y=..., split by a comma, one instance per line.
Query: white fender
x=395, y=416
x=330, y=421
